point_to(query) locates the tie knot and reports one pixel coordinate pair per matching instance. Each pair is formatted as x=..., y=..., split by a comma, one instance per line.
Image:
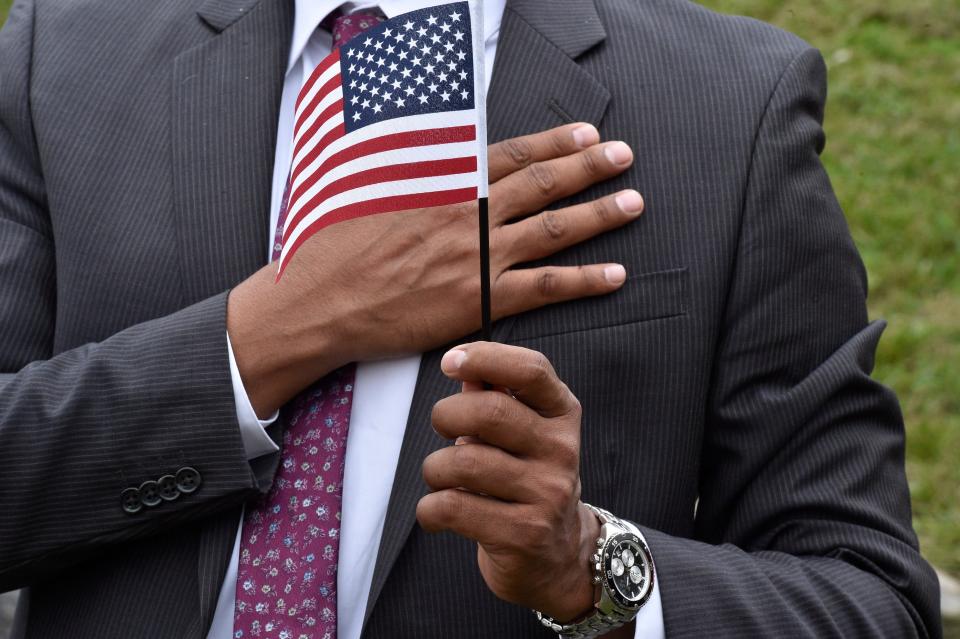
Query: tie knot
x=349, y=25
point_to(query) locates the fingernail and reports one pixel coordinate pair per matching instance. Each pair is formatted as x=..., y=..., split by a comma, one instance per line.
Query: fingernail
x=618, y=153
x=630, y=202
x=450, y=363
x=586, y=135
x=615, y=274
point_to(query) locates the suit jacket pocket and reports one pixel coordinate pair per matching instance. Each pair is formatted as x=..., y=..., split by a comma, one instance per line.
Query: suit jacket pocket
x=643, y=297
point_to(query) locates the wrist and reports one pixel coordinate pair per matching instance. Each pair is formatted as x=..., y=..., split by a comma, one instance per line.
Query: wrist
x=623, y=567
x=623, y=632
x=581, y=594
x=277, y=352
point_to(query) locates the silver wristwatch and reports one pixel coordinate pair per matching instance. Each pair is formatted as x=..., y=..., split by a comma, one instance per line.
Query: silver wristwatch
x=623, y=568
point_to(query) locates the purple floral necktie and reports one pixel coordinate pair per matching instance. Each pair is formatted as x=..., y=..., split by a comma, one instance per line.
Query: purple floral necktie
x=287, y=575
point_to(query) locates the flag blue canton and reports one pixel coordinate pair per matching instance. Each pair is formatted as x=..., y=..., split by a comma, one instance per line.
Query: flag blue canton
x=419, y=62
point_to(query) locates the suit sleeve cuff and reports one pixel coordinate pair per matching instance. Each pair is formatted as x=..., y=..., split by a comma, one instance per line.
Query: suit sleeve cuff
x=256, y=441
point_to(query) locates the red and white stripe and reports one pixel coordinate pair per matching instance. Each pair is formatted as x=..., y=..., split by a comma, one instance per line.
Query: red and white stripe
x=398, y=164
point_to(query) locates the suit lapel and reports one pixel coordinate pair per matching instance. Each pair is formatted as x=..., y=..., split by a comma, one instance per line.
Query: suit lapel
x=217, y=537
x=226, y=97
x=537, y=84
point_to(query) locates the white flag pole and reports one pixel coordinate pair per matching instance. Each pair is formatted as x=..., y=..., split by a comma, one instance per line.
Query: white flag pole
x=480, y=103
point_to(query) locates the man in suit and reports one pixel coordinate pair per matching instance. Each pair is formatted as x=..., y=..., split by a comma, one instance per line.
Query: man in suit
x=701, y=371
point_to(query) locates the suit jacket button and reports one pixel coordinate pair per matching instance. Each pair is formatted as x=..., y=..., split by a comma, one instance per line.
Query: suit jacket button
x=168, y=487
x=130, y=500
x=188, y=480
x=149, y=493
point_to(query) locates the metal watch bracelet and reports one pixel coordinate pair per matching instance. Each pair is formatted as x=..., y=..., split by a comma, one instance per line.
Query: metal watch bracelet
x=596, y=623
x=591, y=627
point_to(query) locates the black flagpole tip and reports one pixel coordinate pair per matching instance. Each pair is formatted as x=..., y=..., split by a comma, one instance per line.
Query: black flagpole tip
x=485, y=322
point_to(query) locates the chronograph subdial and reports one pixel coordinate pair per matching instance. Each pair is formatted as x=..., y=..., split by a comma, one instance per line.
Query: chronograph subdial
x=616, y=565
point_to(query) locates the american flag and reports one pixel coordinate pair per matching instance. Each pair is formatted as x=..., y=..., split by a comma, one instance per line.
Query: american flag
x=393, y=120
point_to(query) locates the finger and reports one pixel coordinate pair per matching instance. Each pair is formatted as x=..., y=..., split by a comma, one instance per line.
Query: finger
x=471, y=386
x=468, y=387
x=482, y=469
x=543, y=235
x=493, y=417
x=527, y=373
x=531, y=189
x=514, y=154
x=520, y=290
x=483, y=519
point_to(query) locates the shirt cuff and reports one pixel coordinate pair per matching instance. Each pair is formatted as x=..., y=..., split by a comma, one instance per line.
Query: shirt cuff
x=648, y=624
x=649, y=621
x=256, y=441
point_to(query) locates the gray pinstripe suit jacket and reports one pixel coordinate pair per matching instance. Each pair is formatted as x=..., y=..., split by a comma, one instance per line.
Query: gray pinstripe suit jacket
x=728, y=403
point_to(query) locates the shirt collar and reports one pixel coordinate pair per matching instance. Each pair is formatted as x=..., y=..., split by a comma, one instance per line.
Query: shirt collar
x=310, y=13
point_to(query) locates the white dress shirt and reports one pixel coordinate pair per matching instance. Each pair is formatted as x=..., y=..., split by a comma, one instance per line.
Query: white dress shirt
x=383, y=391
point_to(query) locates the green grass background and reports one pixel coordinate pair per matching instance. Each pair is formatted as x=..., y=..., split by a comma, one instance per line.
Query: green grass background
x=893, y=152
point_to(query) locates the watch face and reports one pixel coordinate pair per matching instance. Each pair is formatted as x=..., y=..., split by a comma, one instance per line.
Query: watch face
x=627, y=569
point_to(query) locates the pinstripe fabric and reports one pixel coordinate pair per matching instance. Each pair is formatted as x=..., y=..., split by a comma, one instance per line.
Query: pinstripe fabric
x=120, y=311
x=733, y=369
x=731, y=372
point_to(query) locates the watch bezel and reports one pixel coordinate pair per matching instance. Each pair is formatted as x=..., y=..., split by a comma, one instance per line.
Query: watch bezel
x=606, y=571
